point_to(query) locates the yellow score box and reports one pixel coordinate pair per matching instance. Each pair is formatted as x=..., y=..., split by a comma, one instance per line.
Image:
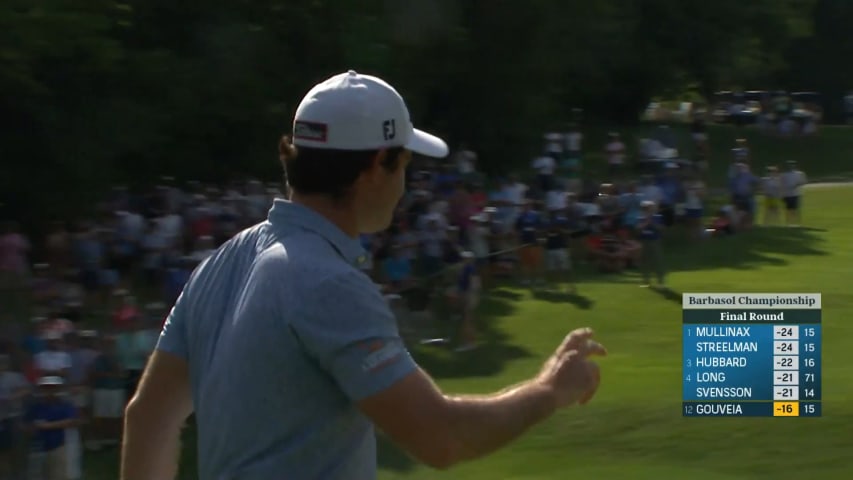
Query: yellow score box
x=786, y=409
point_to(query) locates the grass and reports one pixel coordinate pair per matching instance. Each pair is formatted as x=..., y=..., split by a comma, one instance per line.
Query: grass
x=634, y=429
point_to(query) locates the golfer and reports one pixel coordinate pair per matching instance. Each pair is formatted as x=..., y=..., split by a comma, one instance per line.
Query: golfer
x=287, y=353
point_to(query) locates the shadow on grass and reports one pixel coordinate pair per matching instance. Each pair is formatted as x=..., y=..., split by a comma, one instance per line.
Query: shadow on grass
x=492, y=355
x=756, y=248
x=580, y=301
x=668, y=294
x=504, y=294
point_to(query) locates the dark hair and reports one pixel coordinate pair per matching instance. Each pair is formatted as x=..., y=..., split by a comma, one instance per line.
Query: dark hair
x=318, y=171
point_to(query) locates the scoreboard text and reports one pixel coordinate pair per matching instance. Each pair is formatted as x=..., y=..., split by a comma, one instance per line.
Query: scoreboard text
x=751, y=355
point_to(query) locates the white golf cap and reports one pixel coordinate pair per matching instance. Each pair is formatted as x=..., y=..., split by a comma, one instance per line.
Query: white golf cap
x=350, y=111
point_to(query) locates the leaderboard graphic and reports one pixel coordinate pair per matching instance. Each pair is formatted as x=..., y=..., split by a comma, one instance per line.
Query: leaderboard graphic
x=751, y=355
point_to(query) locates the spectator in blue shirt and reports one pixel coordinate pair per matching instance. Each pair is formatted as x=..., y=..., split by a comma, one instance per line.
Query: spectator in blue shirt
x=49, y=417
x=528, y=226
x=743, y=185
x=177, y=276
x=557, y=259
x=446, y=180
x=630, y=202
x=33, y=342
x=467, y=297
x=670, y=187
x=108, y=395
x=650, y=232
x=397, y=269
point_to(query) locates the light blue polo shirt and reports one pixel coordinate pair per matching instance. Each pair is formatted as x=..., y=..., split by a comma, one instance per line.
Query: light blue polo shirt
x=283, y=334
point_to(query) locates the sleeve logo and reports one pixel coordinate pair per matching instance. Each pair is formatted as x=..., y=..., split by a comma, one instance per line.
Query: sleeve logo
x=381, y=354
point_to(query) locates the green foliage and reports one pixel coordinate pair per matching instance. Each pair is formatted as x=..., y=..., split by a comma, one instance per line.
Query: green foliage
x=103, y=91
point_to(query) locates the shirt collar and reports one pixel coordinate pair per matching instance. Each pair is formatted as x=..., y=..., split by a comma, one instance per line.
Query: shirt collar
x=284, y=212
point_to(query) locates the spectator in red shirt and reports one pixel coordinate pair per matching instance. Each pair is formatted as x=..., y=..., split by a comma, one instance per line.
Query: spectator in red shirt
x=126, y=312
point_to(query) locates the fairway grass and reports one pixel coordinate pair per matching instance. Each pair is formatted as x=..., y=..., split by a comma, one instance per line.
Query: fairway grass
x=633, y=429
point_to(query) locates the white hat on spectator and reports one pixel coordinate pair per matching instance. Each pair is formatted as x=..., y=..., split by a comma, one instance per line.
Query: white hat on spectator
x=155, y=306
x=351, y=111
x=51, y=381
x=52, y=335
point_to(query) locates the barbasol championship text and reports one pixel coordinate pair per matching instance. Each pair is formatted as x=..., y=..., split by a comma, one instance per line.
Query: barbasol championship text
x=751, y=355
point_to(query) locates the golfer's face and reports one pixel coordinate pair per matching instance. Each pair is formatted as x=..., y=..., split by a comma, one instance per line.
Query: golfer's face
x=398, y=179
x=388, y=195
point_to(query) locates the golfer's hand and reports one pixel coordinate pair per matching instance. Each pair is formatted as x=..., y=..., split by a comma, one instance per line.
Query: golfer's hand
x=569, y=373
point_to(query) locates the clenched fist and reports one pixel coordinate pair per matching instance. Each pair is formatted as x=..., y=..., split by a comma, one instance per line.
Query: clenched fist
x=569, y=373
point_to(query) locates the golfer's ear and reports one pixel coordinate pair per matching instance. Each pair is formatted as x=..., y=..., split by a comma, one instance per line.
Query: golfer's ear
x=373, y=174
x=415, y=415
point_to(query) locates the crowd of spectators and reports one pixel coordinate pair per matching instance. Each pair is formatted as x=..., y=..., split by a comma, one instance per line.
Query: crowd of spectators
x=79, y=324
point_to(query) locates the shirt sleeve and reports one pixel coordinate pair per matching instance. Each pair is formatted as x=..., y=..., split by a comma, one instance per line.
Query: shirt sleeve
x=348, y=327
x=173, y=337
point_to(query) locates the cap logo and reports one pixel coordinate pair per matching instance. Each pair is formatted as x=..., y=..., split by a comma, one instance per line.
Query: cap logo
x=316, y=132
x=389, y=129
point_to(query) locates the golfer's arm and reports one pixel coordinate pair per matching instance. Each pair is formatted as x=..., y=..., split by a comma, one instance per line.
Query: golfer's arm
x=154, y=418
x=442, y=430
x=483, y=424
